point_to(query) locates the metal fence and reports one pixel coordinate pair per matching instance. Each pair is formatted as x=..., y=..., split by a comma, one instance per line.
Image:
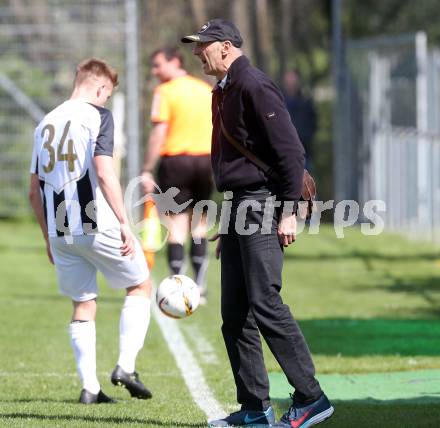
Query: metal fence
x=404, y=172
x=40, y=44
x=390, y=131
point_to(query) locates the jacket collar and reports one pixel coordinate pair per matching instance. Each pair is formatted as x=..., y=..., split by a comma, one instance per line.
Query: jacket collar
x=236, y=68
x=234, y=71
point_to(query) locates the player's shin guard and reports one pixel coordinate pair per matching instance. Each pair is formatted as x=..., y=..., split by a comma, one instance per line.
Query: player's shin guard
x=83, y=340
x=133, y=326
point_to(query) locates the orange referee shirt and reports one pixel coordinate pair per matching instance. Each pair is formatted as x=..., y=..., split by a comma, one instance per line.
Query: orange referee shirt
x=185, y=104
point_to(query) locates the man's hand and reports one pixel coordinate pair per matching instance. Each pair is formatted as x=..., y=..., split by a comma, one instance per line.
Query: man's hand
x=128, y=241
x=148, y=183
x=218, y=249
x=287, y=229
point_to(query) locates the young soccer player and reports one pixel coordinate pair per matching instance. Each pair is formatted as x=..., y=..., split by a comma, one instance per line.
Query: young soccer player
x=77, y=200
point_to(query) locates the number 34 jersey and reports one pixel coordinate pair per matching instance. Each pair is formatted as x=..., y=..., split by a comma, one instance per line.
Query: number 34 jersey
x=65, y=143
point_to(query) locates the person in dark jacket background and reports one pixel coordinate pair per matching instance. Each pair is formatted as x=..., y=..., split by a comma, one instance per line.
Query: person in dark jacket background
x=302, y=112
x=253, y=112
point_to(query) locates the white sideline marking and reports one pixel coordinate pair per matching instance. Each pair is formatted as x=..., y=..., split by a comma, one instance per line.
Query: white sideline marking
x=203, y=347
x=191, y=372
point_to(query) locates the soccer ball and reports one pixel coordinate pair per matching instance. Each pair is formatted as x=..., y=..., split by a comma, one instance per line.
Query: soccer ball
x=178, y=296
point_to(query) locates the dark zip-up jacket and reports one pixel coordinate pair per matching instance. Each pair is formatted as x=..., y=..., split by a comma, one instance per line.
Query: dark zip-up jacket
x=254, y=113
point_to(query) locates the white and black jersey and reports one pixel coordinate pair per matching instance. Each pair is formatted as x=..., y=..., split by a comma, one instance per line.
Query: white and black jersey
x=65, y=142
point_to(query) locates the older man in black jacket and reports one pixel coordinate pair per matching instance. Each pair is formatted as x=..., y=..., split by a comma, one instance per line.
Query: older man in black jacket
x=253, y=113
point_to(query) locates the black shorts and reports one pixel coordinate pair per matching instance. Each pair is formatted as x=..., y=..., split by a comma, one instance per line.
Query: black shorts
x=192, y=175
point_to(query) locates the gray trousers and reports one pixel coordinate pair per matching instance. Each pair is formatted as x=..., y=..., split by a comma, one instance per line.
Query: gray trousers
x=251, y=266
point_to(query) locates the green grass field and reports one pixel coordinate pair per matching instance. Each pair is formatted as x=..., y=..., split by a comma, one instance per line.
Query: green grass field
x=367, y=305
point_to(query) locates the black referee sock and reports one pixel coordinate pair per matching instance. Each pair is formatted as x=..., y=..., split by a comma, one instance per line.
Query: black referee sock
x=175, y=258
x=199, y=262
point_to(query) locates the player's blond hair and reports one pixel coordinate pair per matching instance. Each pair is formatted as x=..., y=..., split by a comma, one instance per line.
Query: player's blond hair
x=94, y=67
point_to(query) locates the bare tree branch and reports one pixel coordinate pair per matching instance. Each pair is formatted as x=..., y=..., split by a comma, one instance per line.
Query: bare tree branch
x=393, y=10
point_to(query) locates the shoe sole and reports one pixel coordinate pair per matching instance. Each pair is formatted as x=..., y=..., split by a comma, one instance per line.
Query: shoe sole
x=88, y=403
x=134, y=394
x=320, y=417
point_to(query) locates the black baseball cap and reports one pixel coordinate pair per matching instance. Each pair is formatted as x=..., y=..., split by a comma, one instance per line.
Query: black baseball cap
x=216, y=30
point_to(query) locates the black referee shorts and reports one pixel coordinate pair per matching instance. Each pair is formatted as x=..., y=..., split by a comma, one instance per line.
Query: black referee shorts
x=192, y=175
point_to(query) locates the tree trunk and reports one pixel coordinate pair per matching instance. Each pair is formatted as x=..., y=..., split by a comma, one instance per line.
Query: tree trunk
x=263, y=34
x=286, y=10
x=241, y=17
x=198, y=8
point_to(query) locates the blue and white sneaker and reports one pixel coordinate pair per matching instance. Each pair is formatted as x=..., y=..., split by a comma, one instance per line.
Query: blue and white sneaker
x=306, y=416
x=246, y=418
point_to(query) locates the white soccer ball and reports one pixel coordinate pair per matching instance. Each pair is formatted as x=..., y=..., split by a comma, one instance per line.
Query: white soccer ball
x=178, y=296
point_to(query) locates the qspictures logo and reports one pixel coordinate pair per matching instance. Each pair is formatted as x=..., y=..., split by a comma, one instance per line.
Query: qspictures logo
x=228, y=214
x=346, y=213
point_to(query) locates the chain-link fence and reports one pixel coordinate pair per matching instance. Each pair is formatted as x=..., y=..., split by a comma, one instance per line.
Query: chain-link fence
x=40, y=44
x=390, y=134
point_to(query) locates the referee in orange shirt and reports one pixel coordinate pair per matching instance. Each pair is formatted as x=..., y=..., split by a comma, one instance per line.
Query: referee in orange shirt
x=181, y=138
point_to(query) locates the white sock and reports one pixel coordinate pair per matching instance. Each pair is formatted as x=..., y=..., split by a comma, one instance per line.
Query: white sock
x=83, y=340
x=133, y=326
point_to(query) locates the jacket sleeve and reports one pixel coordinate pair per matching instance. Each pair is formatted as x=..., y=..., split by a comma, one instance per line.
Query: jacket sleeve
x=274, y=121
